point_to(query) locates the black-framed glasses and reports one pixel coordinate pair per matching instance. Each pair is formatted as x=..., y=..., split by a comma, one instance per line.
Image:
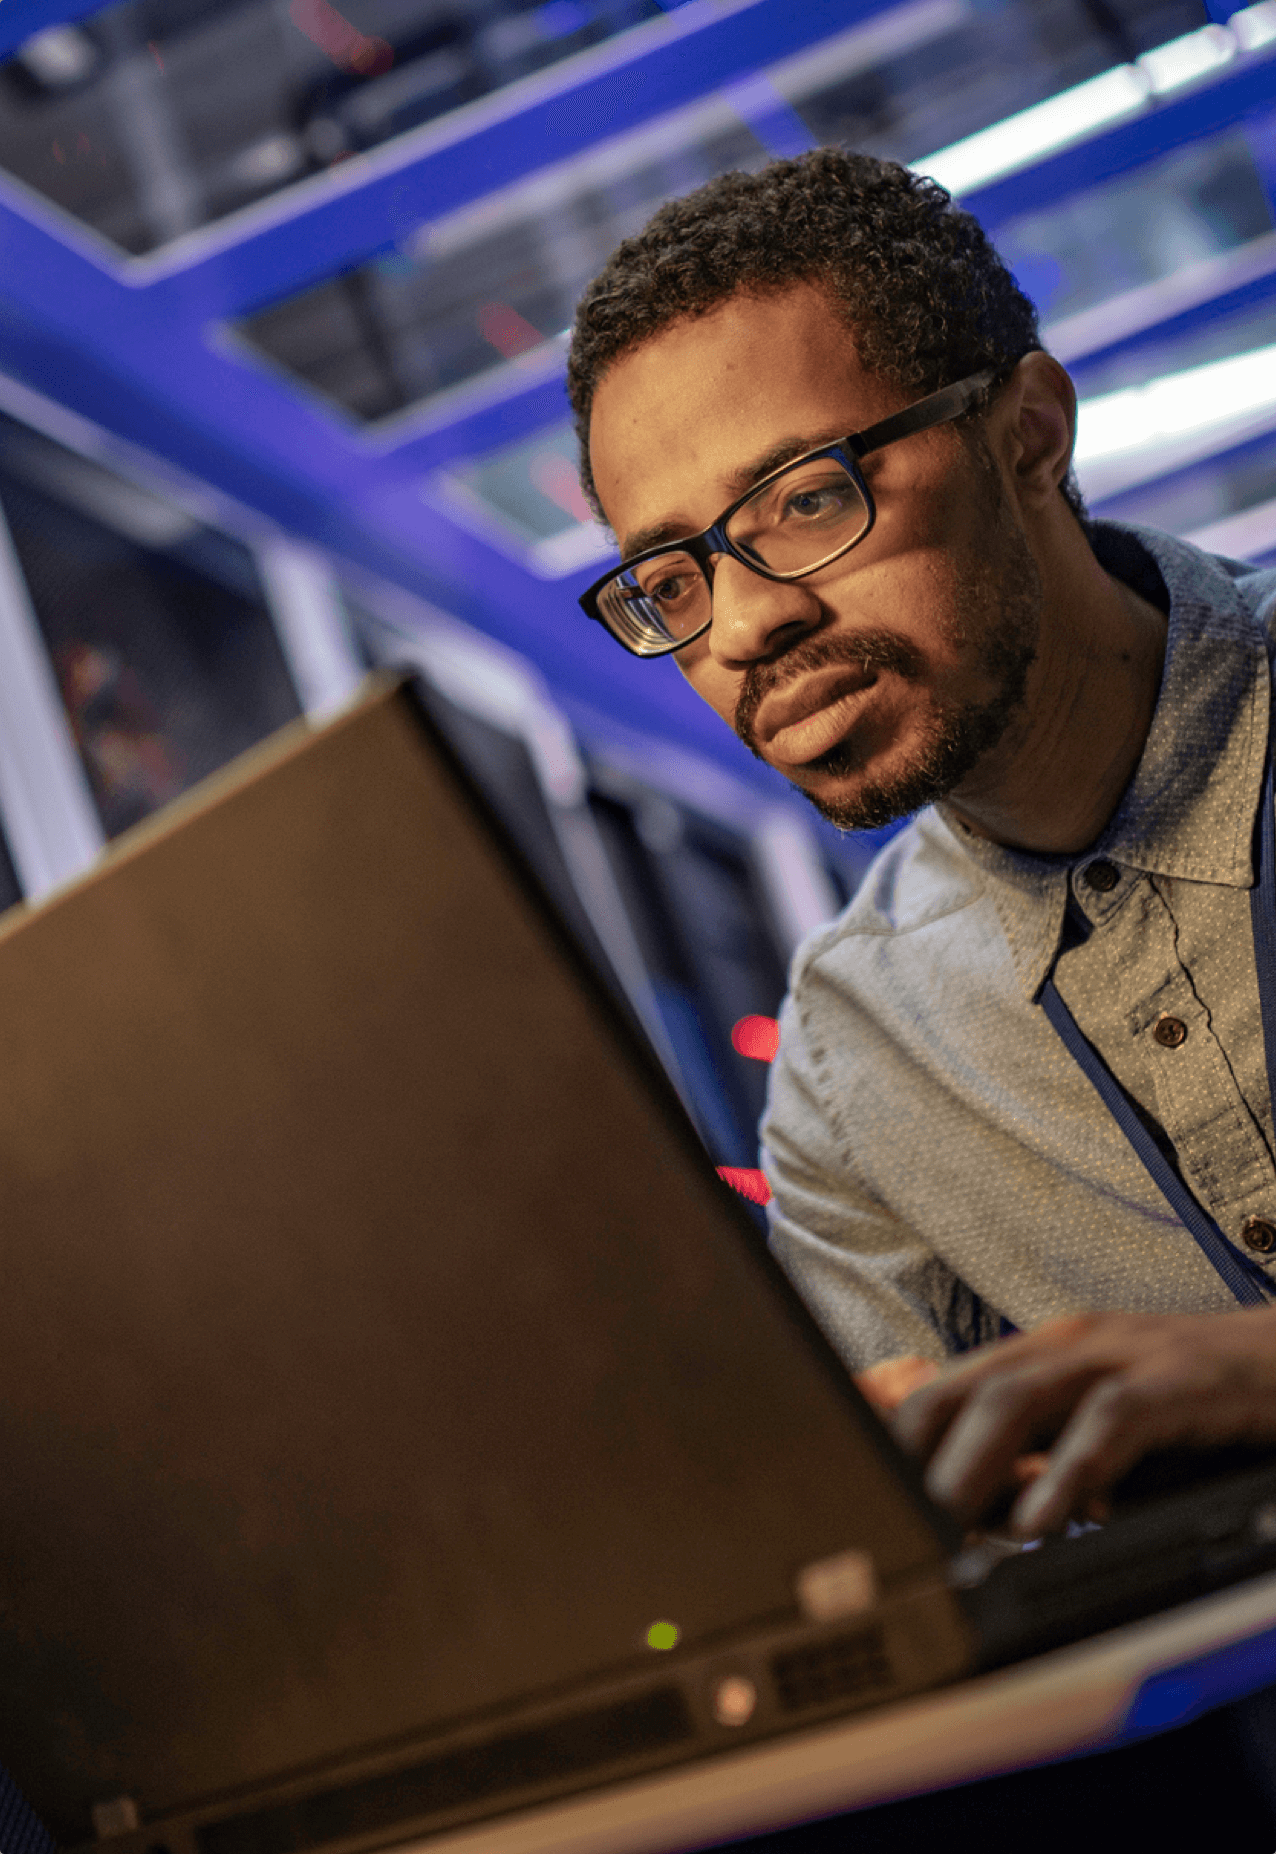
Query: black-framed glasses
x=798, y=519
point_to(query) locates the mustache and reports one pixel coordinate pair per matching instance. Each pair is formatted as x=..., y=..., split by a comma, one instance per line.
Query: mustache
x=867, y=651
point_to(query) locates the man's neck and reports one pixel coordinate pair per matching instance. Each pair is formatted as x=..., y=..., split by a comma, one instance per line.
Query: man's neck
x=1055, y=780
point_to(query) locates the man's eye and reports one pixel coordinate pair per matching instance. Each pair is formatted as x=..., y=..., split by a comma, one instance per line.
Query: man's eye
x=669, y=590
x=810, y=504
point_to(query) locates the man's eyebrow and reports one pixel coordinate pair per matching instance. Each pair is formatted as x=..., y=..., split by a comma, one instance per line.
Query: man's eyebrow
x=735, y=484
x=654, y=536
x=779, y=454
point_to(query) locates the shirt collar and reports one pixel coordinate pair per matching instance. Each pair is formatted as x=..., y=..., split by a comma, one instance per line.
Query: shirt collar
x=1189, y=809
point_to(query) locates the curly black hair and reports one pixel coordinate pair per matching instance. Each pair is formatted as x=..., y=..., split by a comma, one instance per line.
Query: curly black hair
x=926, y=298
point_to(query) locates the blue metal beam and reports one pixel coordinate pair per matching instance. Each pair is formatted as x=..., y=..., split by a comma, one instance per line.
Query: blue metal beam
x=75, y=334
x=416, y=446
x=1233, y=98
x=1245, y=89
x=133, y=355
x=375, y=201
x=1257, y=291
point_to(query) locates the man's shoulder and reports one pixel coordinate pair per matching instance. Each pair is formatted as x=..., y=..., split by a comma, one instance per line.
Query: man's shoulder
x=1256, y=586
x=1194, y=573
x=919, y=877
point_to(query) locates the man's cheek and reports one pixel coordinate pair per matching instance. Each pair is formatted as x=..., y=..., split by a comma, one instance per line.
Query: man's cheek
x=718, y=687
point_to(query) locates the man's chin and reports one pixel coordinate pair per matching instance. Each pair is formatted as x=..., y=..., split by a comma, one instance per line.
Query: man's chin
x=859, y=790
x=862, y=802
x=854, y=795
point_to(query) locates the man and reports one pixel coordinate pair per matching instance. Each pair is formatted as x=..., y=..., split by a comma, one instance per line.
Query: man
x=814, y=409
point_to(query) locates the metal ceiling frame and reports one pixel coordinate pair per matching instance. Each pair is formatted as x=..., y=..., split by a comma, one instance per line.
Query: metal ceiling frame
x=135, y=344
x=1234, y=97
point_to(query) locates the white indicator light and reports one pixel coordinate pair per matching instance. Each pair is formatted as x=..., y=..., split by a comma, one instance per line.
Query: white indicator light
x=734, y=1700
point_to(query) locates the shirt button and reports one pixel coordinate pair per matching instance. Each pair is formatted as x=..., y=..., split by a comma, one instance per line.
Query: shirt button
x=1102, y=876
x=1169, y=1032
x=1257, y=1233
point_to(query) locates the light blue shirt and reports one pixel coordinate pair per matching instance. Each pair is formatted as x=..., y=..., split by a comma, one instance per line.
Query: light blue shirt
x=938, y=1161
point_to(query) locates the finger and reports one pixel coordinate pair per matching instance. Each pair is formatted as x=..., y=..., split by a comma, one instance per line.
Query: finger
x=1004, y=1418
x=923, y=1419
x=1120, y=1420
x=924, y=1416
x=1165, y=1401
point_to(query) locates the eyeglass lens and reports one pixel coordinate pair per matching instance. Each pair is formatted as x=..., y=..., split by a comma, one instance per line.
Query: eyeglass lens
x=803, y=518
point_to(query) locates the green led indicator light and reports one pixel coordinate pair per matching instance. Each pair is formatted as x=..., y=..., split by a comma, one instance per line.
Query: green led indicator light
x=662, y=1635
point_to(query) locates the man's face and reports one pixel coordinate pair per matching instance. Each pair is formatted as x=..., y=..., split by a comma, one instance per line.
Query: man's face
x=877, y=684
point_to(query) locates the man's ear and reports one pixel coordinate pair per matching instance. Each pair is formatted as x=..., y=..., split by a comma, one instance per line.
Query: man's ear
x=1032, y=425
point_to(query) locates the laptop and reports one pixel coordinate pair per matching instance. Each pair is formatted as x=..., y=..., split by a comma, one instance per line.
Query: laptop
x=402, y=1425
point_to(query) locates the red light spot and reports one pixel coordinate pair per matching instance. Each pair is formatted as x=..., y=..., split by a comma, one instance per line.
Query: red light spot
x=555, y=478
x=372, y=57
x=154, y=50
x=758, y=1037
x=750, y=1184
x=509, y=332
x=339, y=40
x=58, y=155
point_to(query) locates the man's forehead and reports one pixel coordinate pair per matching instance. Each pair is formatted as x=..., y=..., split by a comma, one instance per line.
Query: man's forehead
x=797, y=333
x=684, y=421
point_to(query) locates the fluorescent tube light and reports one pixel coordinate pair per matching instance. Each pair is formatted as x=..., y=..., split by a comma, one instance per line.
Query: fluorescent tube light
x=1100, y=103
x=1177, y=406
x=1042, y=130
x=1255, y=26
x=1188, y=59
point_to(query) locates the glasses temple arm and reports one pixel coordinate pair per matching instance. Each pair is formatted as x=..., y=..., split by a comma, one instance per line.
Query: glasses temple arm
x=949, y=403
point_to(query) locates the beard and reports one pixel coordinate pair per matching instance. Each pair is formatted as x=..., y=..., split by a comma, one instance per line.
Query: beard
x=999, y=599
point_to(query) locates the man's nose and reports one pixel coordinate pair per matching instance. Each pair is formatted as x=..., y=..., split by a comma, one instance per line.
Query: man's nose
x=755, y=617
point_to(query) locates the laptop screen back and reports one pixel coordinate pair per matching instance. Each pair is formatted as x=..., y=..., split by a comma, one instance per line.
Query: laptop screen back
x=377, y=1346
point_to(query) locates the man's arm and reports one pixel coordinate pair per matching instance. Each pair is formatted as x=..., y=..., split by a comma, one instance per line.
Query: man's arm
x=873, y=1283
x=1099, y=1391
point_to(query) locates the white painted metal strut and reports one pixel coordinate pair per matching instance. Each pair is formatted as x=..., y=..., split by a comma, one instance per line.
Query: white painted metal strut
x=311, y=624
x=50, y=820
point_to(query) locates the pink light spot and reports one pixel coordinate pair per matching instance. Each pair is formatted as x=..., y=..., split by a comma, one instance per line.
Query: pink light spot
x=750, y=1184
x=154, y=50
x=339, y=40
x=372, y=57
x=58, y=155
x=758, y=1037
x=509, y=332
x=555, y=478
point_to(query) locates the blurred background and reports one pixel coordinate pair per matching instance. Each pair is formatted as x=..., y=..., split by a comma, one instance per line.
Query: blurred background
x=283, y=309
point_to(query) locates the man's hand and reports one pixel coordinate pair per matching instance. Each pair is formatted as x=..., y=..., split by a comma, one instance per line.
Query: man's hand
x=1100, y=1391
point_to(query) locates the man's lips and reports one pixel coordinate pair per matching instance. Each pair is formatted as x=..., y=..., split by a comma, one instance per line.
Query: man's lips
x=807, y=718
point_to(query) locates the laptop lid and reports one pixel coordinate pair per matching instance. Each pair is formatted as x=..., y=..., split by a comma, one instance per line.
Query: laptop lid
x=379, y=1354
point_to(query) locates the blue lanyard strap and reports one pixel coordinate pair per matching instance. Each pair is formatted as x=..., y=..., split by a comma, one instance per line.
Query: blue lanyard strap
x=1245, y=1279
x=1262, y=912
